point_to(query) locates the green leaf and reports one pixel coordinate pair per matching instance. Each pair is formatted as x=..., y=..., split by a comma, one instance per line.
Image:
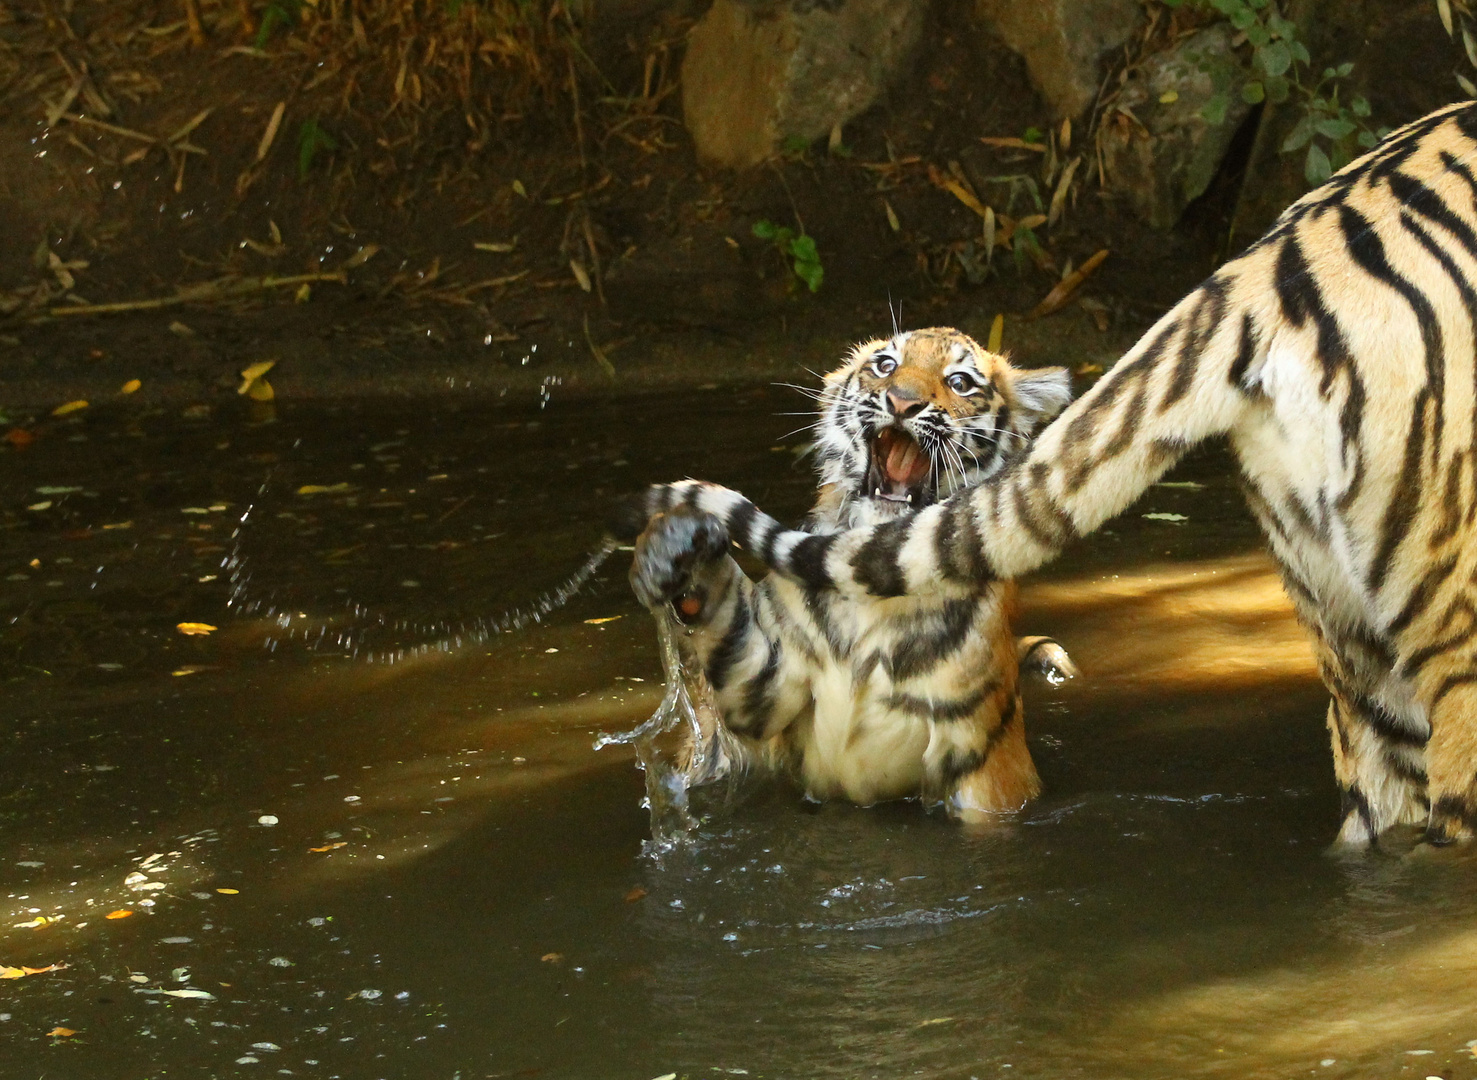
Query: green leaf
x=1259, y=36
x=1243, y=19
x=764, y=229
x=1344, y=69
x=1034, y=135
x=1278, y=89
x=1359, y=106
x=1329, y=73
x=1298, y=137
x=1280, y=27
x=1275, y=59
x=804, y=250
x=1335, y=128
x=1257, y=4
x=1253, y=93
x=310, y=139
x=812, y=273
x=1214, y=110
x=1300, y=52
x=1367, y=140
x=1316, y=169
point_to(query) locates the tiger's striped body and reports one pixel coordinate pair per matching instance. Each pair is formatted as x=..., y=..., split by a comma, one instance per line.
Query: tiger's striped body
x=867, y=698
x=1337, y=354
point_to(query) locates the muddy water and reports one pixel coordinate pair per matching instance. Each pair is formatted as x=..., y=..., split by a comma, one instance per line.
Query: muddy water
x=423, y=870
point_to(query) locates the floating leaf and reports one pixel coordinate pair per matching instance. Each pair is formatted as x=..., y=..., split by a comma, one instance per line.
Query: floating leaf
x=229, y=892
x=635, y=894
x=61, y=1032
x=252, y=374
x=1175, y=518
x=200, y=994
x=892, y=222
x=194, y=629
x=121, y=913
x=39, y=922
x=552, y=957
x=130, y=387
x=330, y=847
x=22, y=972
x=69, y=407
x=581, y=275
x=325, y=489
x=598, y=622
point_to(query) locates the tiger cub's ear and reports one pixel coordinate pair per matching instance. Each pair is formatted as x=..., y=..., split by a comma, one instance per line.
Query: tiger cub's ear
x=1041, y=393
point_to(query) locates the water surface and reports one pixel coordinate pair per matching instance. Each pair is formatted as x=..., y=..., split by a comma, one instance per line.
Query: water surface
x=477, y=904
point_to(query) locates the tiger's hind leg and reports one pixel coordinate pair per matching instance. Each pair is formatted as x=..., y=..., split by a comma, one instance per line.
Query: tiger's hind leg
x=983, y=769
x=1378, y=751
x=1451, y=759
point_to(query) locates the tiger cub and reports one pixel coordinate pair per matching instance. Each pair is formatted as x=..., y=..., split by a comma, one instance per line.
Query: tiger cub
x=865, y=698
x=1339, y=356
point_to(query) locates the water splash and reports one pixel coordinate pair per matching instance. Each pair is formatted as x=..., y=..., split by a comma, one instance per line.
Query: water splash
x=352, y=639
x=697, y=750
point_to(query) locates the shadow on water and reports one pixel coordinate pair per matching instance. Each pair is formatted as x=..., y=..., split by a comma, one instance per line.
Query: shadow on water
x=424, y=870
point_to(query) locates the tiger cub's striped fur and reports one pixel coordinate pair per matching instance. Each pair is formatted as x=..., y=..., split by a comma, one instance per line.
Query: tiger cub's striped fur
x=867, y=698
x=1338, y=356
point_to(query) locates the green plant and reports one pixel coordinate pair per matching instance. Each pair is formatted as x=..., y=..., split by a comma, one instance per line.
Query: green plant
x=278, y=12
x=1330, y=132
x=310, y=139
x=798, y=251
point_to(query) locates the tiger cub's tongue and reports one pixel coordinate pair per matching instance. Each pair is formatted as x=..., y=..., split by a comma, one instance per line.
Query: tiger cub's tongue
x=906, y=463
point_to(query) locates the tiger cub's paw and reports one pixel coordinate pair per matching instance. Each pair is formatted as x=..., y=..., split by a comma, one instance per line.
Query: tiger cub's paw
x=672, y=550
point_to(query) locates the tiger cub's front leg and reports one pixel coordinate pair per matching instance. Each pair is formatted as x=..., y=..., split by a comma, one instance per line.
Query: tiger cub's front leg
x=734, y=628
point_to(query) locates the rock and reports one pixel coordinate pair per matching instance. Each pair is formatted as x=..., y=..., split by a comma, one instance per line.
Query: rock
x=1161, y=152
x=1063, y=42
x=758, y=73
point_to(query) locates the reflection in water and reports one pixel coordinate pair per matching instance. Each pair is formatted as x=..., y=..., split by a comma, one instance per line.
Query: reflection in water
x=454, y=884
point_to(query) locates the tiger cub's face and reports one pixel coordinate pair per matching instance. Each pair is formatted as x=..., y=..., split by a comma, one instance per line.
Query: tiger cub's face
x=909, y=420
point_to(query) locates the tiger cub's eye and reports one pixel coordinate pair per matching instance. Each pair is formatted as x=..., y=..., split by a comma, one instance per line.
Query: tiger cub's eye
x=884, y=366
x=961, y=384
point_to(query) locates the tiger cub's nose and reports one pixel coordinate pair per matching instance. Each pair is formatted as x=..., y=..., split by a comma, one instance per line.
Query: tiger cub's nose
x=903, y=403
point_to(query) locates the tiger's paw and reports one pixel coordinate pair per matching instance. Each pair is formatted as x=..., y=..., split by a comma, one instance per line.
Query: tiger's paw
x=672, y=550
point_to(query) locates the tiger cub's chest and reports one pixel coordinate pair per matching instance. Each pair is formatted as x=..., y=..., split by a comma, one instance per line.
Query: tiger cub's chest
x=887, y=672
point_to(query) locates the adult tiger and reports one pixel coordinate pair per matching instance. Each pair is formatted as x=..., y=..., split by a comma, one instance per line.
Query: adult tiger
x=866, y=698
x=1338, y=355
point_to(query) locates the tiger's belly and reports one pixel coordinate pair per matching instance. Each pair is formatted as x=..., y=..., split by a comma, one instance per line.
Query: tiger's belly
x=854, y=747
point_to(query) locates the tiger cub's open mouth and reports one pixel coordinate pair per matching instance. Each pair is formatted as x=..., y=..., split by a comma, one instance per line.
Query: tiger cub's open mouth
x=900, y=470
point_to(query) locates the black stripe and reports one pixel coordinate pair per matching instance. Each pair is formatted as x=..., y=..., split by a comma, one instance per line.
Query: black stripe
x=818, y=603
x=1353, y=800
x=1386, y=724
x=1405, y=501
x=1423, y=200
x=1450, y=683
x=1204, y=321
x=1368, y=251
x=951, y=709
x=1449, y=808
x=807, y=560
x=876, y=566
x=931, y=638
x=1302, y=301
x=1421, y=596
x=757, y=703
x=741, y=521
x=957, y=543
x=1245, y=353
x=730, y=649
x=765, y=547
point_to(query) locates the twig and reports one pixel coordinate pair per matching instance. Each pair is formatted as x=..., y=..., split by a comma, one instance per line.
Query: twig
x=192, y=18
x=211, y=290
x=127, y=133
x=799, y=221
x=600, y=357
